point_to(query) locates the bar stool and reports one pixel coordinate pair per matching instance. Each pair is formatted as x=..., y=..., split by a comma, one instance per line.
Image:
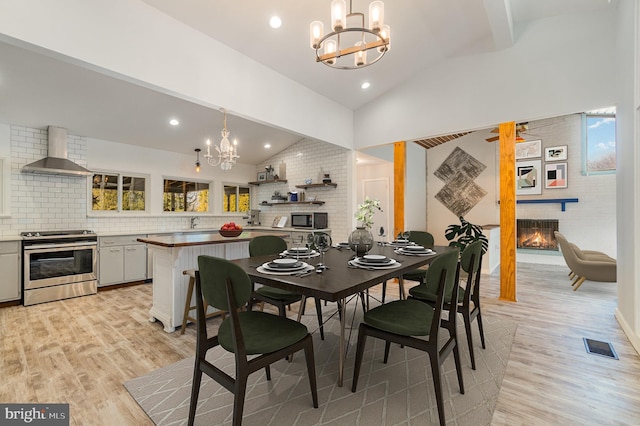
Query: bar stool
x=187, y=304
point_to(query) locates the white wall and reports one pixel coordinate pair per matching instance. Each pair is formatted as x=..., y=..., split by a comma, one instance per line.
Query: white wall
x=628, y=157
x=49, y=202
x=113, y=156
x=305, y=160
x=557, y=66
x=415, y=203
x=596, y=193
x=379, y=170
x=487, y=211
x=83, y=33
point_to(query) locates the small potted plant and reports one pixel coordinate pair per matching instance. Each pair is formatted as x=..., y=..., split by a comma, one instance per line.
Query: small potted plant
x=361, y=240
x=464, y=234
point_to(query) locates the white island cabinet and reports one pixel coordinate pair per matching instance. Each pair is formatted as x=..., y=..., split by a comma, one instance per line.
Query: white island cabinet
x=121, y=259
x=174, y=254
x=10, y=267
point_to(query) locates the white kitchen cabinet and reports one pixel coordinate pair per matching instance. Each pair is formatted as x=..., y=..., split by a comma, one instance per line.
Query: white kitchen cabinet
x=10, y=288
x=121, y=259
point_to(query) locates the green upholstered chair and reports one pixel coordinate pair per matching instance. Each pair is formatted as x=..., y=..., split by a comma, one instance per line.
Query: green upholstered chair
x=422, y=238
x=271, y=244
x=468, y=297
x=417, y=324
x=264, y=337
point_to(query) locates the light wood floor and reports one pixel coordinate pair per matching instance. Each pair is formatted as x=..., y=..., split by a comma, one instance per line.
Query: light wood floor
x=82, y=350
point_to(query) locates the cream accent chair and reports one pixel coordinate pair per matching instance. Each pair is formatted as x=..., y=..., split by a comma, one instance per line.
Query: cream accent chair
x=586, y=264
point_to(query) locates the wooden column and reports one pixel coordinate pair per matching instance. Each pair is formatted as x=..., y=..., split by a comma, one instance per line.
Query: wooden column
x=507, y=212
x=399, y=174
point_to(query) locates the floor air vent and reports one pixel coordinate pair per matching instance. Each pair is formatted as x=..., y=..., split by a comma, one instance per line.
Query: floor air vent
x=597, y=347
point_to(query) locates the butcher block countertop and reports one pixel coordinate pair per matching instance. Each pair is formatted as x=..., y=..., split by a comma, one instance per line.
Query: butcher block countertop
x=195, y=239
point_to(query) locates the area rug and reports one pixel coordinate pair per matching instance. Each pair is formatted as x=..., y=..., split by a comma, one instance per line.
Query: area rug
x=399, y=392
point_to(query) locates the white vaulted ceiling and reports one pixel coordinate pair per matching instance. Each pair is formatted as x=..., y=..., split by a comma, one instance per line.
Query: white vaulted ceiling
x=38, y=90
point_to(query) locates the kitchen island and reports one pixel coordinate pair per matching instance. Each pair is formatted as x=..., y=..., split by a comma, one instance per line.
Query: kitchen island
x=173, y=254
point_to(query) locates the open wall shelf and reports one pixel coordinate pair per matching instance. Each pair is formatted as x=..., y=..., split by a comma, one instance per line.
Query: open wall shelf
x=293, y=202
x=561, y=201
x=317, y=185
x=259, y=182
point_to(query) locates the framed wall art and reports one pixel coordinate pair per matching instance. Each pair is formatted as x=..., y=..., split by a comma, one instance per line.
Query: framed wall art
x=528, y=177
x=555, y=153
x=555, y=175
x=262, y=176
x=529, y=149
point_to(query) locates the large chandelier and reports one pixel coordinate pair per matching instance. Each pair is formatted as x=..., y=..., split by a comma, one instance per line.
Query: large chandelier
x=337, y=47
x=227, y=153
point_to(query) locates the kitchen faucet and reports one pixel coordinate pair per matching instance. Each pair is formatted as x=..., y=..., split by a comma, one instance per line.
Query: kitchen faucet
x=194, y=221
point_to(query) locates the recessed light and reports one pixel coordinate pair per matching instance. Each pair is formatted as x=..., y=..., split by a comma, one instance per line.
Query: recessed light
x=275, y=22
x=174, y=122
x=267, y=145
x=365, y=85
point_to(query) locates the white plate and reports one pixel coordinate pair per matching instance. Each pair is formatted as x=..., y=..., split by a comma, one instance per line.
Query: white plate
x=267, y=267
x=285, y=263
x=307, y=255
x=263, y=270
x=391, y=265
x=427, y=252
x=298, y=249
x=375, y=258
x=416, y=248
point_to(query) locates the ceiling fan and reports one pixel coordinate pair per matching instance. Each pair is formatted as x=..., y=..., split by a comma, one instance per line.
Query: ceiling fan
x=520, y=129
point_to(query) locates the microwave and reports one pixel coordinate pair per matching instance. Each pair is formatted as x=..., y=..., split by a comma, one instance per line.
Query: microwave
x=310, y=220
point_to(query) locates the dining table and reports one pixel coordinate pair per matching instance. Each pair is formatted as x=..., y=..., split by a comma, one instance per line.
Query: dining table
x=340, y=279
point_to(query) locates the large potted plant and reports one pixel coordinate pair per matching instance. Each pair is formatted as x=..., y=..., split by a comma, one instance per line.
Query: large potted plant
x=464, y=234
x=361, y=240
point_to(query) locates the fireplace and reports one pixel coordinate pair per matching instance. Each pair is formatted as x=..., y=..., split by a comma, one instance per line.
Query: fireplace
x=537, y=234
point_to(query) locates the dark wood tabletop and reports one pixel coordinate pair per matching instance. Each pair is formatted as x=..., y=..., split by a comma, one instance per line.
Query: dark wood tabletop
x=340, y=280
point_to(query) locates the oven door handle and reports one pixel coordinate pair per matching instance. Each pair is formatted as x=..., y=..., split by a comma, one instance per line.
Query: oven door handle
x=57, y=245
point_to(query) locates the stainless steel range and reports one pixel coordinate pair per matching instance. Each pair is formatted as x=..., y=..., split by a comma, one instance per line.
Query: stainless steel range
x=58, y=265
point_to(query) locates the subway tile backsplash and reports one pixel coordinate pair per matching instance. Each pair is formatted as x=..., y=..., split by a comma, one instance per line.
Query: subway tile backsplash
x=48, y=202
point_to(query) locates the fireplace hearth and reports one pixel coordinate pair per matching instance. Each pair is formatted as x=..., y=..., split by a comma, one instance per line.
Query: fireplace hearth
x=537, y=234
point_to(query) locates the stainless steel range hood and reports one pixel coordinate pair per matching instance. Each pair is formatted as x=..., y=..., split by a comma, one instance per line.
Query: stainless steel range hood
x=56, y=162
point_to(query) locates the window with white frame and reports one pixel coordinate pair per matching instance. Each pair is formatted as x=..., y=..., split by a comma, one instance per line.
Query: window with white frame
x=599, y=147
x=185, y=196
x=119, y=192
x=236, y=198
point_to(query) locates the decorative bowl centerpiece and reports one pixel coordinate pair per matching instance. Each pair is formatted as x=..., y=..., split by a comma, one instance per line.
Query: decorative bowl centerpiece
x=230, y=230
x=233, y=233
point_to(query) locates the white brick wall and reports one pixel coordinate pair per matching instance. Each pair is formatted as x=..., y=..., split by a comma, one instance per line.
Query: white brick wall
x=590, y=223
x=48, y=202
x=304, y=160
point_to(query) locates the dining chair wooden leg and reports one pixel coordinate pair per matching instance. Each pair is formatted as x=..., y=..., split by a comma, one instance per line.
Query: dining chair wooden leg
x=387, y=346
x=456, y=358
x=480, y=328
x=434, y=359
x=240, y=389
x=403, y=294
x=362, y=341
x=467, y=329
x=311, y=371
x=195, y=392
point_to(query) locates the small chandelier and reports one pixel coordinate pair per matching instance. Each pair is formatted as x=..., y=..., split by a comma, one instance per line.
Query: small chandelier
x=345, y=41
x=227, y=153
